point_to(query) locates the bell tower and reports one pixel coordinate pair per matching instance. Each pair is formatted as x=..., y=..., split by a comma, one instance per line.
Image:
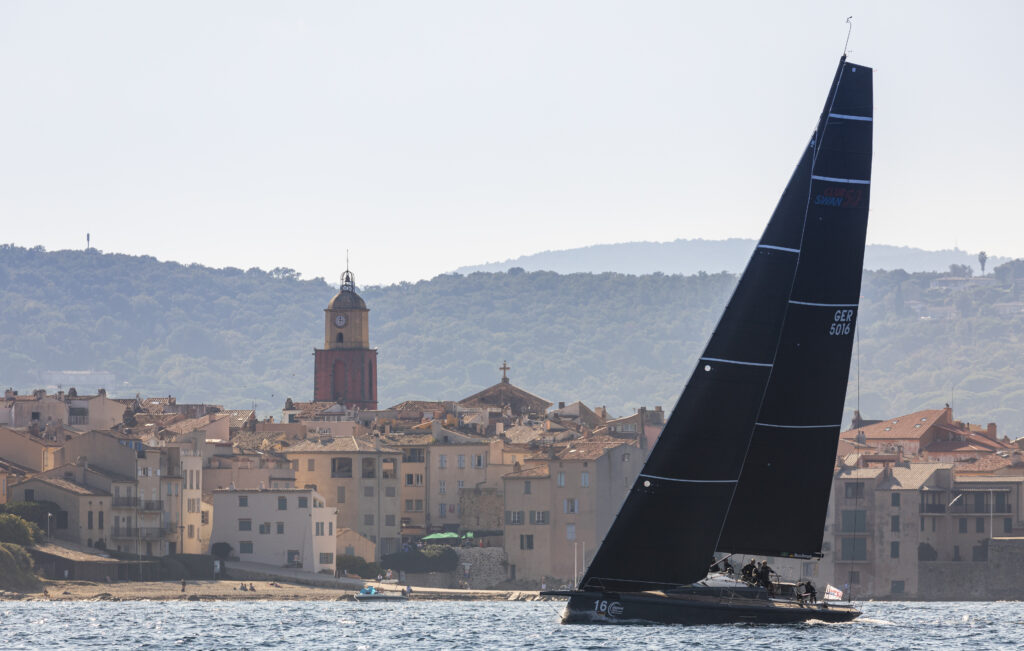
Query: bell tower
x=345, y=369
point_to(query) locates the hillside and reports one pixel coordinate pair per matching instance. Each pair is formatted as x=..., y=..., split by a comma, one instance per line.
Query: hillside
x=241, y=337
x=693, y=256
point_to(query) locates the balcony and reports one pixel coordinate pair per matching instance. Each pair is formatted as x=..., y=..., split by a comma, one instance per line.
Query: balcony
x=933, y=508
x=126, y=502
x=153, y=505
x=140, y=533
x=979, y=509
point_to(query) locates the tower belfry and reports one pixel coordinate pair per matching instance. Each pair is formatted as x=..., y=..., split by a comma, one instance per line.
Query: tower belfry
x=345, y=369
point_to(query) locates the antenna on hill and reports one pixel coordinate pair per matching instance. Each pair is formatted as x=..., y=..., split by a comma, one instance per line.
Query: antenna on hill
x=846, y=46
x=87, y=245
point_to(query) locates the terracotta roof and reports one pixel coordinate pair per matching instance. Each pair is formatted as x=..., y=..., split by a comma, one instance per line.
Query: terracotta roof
x=12, y=468
x=987, y=463
x=532, y=472
x=859, y=473
x=419, y=405
x=340, y=444
x=193, y=424
x=990, y=479
x=589, y=450
x=66, y=485
x=911, y=426
x=917, y=474
x=410, y=439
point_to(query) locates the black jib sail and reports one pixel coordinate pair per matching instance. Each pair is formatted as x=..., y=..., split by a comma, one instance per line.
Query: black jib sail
x=670, y=523
x=780, y=502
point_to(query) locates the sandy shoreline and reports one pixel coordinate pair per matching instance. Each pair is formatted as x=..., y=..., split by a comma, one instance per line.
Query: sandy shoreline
x=229, y=591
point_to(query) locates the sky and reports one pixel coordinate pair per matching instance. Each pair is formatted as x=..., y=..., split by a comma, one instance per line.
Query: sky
x=424, y=136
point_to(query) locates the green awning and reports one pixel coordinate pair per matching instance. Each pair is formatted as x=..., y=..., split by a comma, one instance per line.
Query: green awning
x=447, y=535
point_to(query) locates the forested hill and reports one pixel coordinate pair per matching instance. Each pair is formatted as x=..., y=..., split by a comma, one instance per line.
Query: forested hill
x=694, y=256
x=236, y=337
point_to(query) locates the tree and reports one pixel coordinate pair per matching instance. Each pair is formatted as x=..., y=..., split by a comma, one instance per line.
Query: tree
x=981, y=259
x=220, y=549
x=19, y=531
x=961, y=270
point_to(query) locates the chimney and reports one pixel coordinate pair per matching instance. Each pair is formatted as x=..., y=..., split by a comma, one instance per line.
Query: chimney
x=990, y=431
x=9, y=394
x=435, y=427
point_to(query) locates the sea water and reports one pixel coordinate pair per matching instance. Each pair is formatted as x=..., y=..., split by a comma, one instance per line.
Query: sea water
x=300, y=625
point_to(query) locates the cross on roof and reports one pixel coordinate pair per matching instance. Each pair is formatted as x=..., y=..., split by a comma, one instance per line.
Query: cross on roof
x=504, y=368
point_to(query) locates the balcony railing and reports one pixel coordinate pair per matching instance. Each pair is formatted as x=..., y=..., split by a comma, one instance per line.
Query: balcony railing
x=144, y=533
x=933, y=508
x=978, y=509
x=126, y=502
x=153, y=505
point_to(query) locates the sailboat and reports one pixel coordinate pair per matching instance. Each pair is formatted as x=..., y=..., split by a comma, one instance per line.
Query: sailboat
x=744, y=464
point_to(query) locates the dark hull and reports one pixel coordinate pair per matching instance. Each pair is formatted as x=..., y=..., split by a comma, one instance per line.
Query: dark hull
x=592, y=607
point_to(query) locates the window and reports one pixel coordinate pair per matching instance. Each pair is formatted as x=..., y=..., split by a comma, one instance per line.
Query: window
x=571, y=505
x=460, y=484
x=461, y=460
x=191, y=531
x=280, y=527
x=527, y=487
x=413, y=455
x=89, y=519
x=30, y=495
x=389, y=520
x=895, y=499
x=341, y=494
x=570, y=532
x=855, y=521
x=245, y=525
x=540, y=517
x=326, y=558
x=389, y=491
x=514, y=517
x=854, y=549
x=561, y=479
x=442, y=461
x=526, y=541
x=330, y=528
x=318, y=529
x=854, y=490
x=894, y=549
x=282, y=503
x=584, y=479
x=443, y=509
x=894, y=524
x=368, y=519
x=897, y=587
x=1007, y=523
x=303, y=502
x=245, y=547
x=367, y=491
x=478, y=460
x=264, y=527
x=100, y=519
x=419, y=505
x=962, y=525
x=979, y=525
x=243, y=500
x=341, y=467
x=442, y=487
x=854, y=578
x=369, y=468
x=310, y=464
x=204, y=517
x=922, y=524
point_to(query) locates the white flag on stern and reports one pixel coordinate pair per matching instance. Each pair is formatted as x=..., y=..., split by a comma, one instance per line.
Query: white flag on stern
x=833, y=593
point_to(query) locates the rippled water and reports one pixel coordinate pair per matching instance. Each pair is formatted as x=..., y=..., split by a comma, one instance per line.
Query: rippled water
x=475, y=625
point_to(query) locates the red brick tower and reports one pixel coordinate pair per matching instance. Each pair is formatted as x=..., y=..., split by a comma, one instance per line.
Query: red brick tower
x=345, y=369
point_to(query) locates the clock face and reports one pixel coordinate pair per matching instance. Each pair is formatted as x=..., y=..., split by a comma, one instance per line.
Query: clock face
x=340, y=321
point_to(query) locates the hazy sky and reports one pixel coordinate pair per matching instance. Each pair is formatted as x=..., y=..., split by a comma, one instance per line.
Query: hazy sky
x=428, y=135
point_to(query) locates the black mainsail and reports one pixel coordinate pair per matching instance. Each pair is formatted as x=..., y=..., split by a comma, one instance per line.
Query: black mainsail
x=793, y=447
x=671, y=521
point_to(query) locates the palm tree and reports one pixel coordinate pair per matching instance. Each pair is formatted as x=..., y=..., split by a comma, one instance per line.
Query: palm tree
x=982, y=258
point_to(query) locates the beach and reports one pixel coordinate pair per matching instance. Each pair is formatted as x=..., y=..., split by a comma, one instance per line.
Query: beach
x=226, y=590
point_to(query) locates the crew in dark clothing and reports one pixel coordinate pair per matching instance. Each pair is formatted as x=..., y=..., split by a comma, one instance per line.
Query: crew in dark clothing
x=764, y=576
x=727, y=566
x=748, y=570
x=810, y=593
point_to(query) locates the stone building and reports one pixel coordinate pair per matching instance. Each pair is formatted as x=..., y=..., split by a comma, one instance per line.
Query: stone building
x=360, y=477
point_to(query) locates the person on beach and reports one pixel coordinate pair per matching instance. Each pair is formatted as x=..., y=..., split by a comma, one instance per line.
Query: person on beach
x=183, y=584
